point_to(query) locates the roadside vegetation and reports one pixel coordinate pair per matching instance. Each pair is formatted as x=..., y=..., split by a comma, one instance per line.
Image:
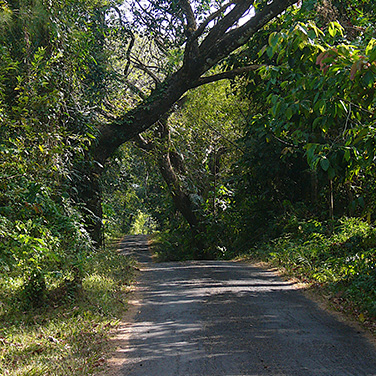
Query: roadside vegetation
x=337, y=264
x=297, y=188
x=67, y=331
x=101, y=136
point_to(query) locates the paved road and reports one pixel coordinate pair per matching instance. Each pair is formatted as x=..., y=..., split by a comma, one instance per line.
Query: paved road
x=226, y=318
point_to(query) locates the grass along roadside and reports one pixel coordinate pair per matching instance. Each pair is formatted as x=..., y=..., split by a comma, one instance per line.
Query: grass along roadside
x=340, y=266
x=68, y=337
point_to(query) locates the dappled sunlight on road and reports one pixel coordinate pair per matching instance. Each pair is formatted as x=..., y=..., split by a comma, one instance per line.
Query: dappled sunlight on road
x=230, y=318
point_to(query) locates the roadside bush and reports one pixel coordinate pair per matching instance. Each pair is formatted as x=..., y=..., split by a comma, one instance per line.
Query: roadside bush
x=69, y=335
x=344, y=261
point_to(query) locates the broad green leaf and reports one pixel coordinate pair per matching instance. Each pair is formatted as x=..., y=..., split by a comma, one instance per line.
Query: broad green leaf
x=270, y=52
x=370, y=46
x=372, y=55
x=273, y=39
x=289, y=113
x=325, y=163
x=334, y=28
x=331, y=29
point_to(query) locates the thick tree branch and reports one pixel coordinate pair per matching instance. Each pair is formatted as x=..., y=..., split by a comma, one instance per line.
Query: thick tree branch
x=211, y=18
x=219, y=42
x=168, y=92
x=225, y=23
x=224, y=75
x=189, y=15
x=226, y=43
x=192, y=44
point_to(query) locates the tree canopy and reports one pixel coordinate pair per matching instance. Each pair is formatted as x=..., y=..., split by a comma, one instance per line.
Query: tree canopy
x=187, y=40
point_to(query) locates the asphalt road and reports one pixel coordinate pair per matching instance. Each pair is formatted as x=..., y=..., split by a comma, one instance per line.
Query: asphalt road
x=231, y=318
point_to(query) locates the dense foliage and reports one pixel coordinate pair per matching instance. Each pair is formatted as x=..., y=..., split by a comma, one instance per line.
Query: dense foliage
x=340, y=263
x=134, y=201
x=70, y=336
x=48, y=85
x=313, y=101
x=307, y=175
x=287, y=144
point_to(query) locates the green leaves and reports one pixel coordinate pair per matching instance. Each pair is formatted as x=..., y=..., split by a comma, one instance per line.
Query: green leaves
x=44, y=116
x=371, y=50
x=303, y=99
x=335, y=28
x=324, y=163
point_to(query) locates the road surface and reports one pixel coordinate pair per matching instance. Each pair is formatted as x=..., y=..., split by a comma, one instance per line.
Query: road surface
x=212, y=318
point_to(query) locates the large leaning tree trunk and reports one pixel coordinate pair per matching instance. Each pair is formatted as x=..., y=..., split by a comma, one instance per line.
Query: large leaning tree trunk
x=205, y=46
x=169, y=169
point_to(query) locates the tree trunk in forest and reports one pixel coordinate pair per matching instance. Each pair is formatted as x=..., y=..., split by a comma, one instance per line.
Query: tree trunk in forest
x=181, y=199
x=167, y=168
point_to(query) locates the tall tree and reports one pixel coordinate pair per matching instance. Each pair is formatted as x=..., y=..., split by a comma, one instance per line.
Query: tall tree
x=203, y=45
x=197, y=36
x=44, y=60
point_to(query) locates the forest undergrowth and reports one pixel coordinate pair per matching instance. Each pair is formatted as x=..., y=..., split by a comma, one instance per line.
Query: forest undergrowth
x=68, y=332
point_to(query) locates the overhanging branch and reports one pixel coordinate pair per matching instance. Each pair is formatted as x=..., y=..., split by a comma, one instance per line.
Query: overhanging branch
x=213, y=50
x=189, y=15
x=225, y=24
x=209, y=19
x=224, y=75
x=190, y=75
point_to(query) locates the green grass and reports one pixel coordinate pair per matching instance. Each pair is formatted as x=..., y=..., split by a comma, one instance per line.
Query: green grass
x=342, y=264
x=67, y=334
